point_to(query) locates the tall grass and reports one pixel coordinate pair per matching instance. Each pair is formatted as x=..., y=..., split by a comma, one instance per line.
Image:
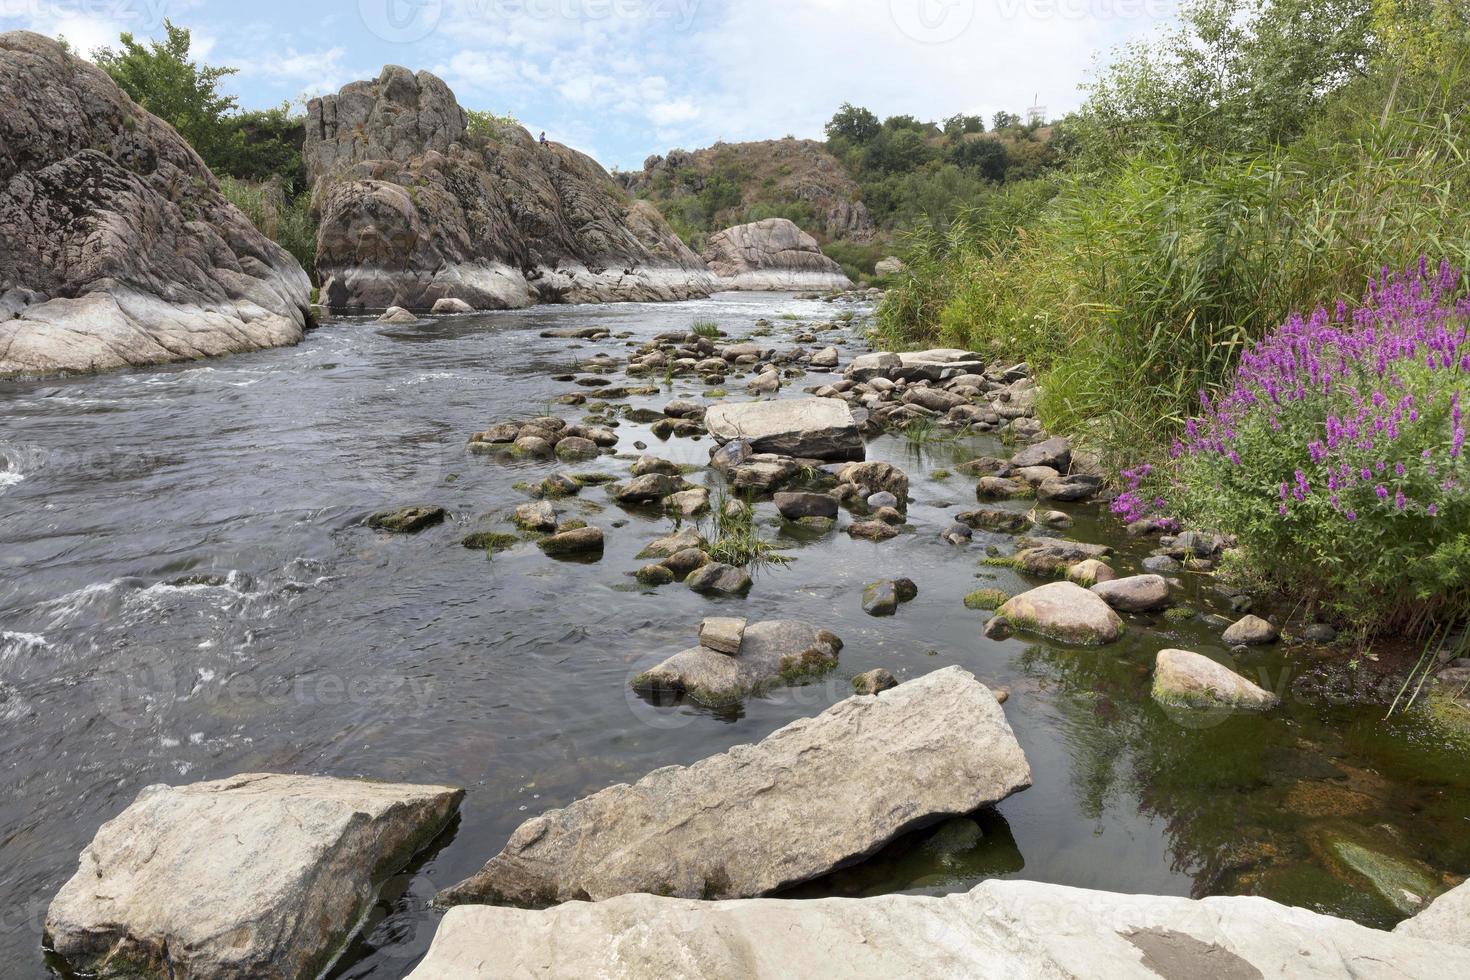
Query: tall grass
x=1134, y=290
x=283, y=219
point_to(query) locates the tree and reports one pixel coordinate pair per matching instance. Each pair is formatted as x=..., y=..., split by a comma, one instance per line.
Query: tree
x=983, y=156
x=161, y=78
x=1004, y=120
x=1236, y=74
x=854, y=124
x=960, y=125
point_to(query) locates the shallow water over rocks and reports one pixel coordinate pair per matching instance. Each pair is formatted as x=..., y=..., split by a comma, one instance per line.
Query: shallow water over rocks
x=187, y=591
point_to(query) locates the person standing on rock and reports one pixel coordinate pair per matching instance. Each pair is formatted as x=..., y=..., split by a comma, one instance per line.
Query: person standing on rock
x=543, y=137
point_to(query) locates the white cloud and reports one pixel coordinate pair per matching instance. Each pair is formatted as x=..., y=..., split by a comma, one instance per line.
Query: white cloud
x=672, y=113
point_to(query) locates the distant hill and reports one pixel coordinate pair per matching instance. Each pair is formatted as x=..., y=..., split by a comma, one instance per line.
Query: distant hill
x=732, y=183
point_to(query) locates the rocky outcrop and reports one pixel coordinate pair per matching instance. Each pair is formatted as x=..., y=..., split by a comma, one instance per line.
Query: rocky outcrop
x=416, y=208
x=772, y=254
x=253, y=876
x=809, y=428
x=786, y=173
x=998, y=929
x=119, y=248
x=811, y=797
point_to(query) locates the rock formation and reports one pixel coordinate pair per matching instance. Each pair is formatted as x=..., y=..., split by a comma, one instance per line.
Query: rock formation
x=253, y=876
x=811, y=797
x=786, y=173
x=416, y=208
x=999, y=929
x=772, y=254
x=119, y=248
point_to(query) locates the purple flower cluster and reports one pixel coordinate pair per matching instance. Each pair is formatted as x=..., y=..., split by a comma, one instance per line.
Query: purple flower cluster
x=1344, y=383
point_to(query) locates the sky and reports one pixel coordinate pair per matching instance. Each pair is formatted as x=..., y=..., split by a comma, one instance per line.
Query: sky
x=623, y=79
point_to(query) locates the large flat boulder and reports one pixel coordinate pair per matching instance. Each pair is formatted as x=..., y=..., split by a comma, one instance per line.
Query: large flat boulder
x=118, y=248
x=813, y=796
x=416, y=208
x=806, y=428
x=1447, y=919
x=249, y=877
x=770, y=653
x=773, y=254
x=1020, y=929
x=922, y=365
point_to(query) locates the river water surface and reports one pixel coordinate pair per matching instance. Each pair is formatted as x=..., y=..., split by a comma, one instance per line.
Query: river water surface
x=187, y=592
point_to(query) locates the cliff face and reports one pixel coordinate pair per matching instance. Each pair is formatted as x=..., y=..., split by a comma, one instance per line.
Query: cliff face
x=118, y=248
x=797, y=175
x=771, y=255
x=415, y=208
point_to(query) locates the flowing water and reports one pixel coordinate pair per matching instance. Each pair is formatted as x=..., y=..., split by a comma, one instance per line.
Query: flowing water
x=187, y=592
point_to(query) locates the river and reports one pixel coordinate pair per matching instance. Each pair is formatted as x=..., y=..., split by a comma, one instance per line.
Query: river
x=187, y=592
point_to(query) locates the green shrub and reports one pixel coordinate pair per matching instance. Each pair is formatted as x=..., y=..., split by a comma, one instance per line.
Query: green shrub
x=283, y=219
x=1337, y=457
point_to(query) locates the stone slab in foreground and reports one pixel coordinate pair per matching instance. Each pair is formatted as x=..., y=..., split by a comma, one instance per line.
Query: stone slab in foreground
x=1017, y=929
x=809, y=428
x=816, y=795
x=257, y=876
x=1447, y=919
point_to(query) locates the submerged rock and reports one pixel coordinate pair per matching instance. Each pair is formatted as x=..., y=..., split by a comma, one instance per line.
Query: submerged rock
x=1001, y=928
x=118, y=247
x=1188, y=680
x=883, y=598
x=407, y=520
x=811, y=797
x=1062, y=611
x=254, y=876
x=807, y=428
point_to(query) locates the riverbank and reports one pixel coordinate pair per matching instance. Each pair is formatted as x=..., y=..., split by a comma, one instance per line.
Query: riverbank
x=255, y=624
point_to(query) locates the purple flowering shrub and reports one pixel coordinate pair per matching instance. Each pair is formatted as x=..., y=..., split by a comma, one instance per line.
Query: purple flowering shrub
x=1338, y=456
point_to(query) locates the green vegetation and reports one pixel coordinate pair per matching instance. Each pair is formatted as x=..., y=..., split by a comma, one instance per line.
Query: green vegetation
x=705, y=328
x=1134, y=278
x=914, y=174
x=486, y=124
x=255, y=154
x=1265, y=157
x=737, y=542
x=284, y=219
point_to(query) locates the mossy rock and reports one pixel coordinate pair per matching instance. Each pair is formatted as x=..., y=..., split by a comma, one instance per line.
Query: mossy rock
x=490, y=541
x=987, y=600
x=1179, y=614
x=407, y=520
